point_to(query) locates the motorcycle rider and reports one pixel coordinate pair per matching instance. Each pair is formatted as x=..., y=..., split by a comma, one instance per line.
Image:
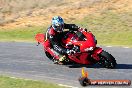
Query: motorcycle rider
x=53, y=38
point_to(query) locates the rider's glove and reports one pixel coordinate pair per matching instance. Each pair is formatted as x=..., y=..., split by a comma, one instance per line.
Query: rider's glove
x=74, y=27
x=84, y=29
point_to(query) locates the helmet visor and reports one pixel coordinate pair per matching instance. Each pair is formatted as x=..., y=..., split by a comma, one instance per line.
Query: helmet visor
x=59, y=28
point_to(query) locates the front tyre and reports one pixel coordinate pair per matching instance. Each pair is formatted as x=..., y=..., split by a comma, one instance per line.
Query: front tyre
x=107, y=60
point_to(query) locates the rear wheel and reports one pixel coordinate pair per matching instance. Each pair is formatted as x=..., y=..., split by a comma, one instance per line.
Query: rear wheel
x=48, y=55
x=107, y=60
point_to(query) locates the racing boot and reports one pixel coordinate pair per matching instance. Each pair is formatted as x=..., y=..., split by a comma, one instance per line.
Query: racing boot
x=57, y=57
x=60, y=60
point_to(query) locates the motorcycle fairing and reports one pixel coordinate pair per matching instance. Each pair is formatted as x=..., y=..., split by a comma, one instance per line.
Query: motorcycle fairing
x=80, y=58
x=96, y=52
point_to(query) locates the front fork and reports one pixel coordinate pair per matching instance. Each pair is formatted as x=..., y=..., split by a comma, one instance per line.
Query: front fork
x=96, y=52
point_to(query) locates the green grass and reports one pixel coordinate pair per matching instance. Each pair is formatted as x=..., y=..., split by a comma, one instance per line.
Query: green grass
x=21, y=34
x=109, y=28
x=7, y=82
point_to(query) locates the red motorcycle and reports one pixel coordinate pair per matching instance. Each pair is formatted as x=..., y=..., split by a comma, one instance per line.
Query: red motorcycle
x=84, y=48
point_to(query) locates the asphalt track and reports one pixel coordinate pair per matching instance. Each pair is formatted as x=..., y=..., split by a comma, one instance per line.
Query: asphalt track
x=26, y=60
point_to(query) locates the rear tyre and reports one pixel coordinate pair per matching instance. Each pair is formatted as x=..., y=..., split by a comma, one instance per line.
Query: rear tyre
x=107, y=60
x=49, y=55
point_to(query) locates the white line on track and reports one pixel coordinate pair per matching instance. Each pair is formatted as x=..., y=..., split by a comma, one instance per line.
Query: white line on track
x=23, y=78
x=122, y=47
x=108, y=46
x=19, y=76
x=125, y=47
x=67, y=86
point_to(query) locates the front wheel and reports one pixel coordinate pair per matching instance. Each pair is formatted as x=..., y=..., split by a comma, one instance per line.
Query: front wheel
x=107, y=60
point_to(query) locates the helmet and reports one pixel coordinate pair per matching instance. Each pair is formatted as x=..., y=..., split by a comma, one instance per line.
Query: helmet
x=58, y=23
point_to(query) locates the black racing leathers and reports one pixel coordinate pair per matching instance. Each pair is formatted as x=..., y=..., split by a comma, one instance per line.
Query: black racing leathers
x=55, y=37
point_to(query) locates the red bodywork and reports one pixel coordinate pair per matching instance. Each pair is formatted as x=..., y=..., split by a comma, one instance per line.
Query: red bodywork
x=84, y=40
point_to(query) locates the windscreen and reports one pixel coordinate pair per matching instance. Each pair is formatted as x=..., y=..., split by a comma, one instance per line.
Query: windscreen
x=80, y=36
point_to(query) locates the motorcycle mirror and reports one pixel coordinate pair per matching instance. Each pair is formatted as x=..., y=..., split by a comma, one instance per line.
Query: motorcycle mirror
x=85, y=29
